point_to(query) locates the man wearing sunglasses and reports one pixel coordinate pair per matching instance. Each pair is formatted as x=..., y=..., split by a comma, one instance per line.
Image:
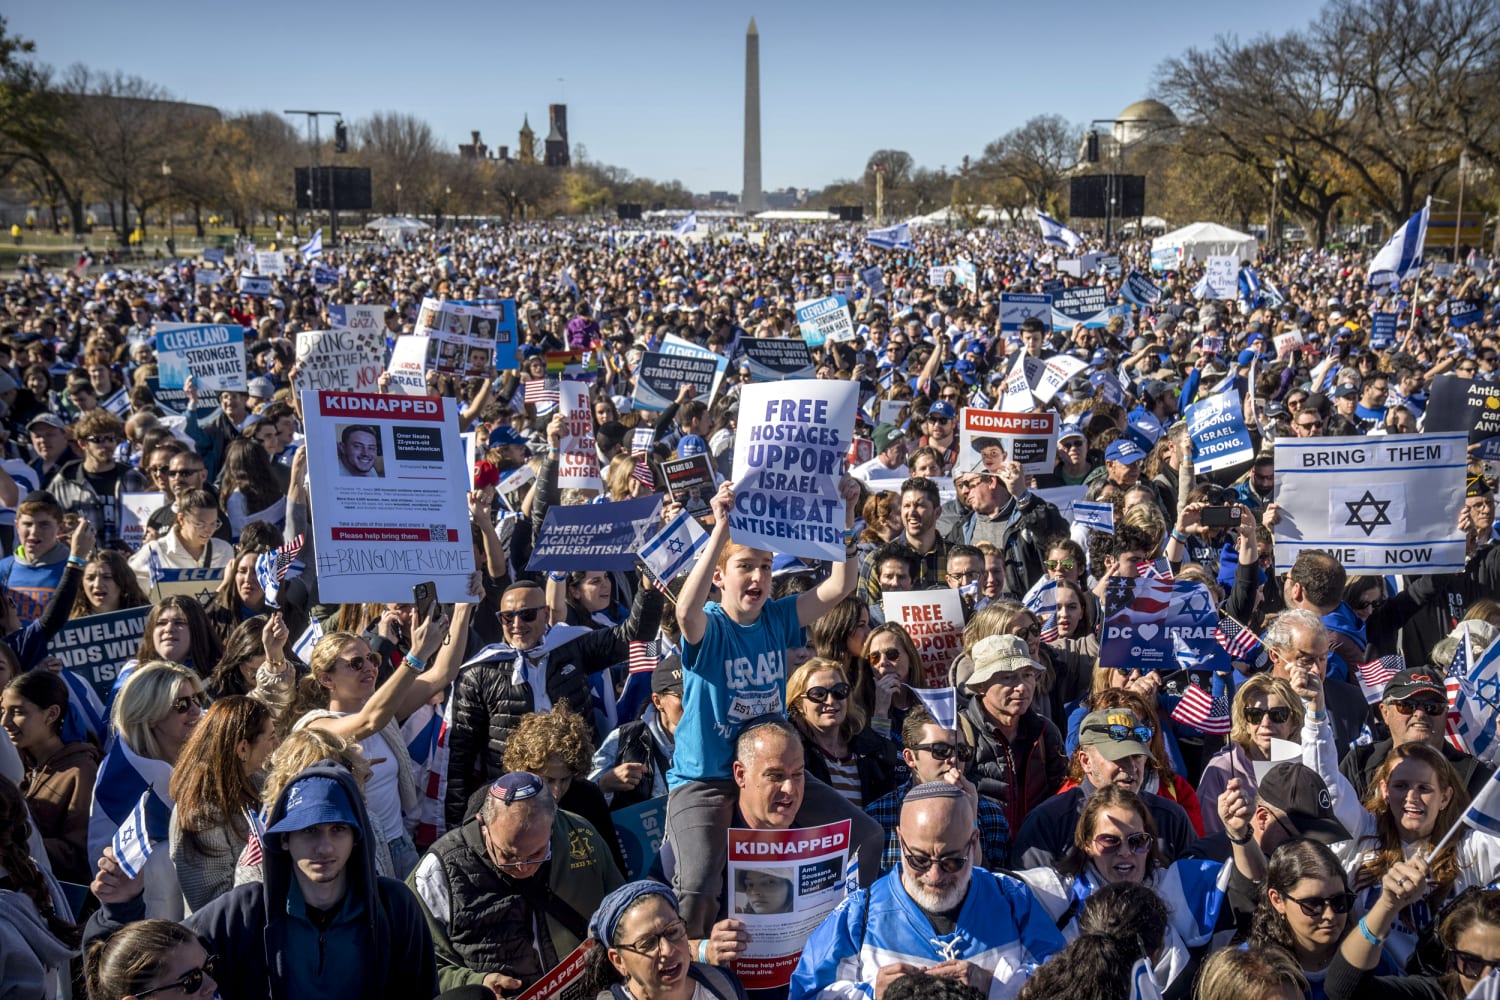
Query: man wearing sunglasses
x=936, y=913
x=538, y=665
x=292, y=933
x=933, y=753
x=93, y=486
x=1414, y=707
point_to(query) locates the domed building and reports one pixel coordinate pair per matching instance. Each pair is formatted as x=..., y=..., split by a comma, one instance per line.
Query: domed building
x=1146, y=119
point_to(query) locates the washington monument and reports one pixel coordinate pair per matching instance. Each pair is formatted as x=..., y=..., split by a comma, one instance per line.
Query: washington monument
x=751, y=199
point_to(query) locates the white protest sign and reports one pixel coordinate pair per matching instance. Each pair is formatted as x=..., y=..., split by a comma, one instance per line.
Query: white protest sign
x=935, y=621
x=206, y=277
x=1015, y=391
x=1377, y=504
x=874, y=279
x=135, y=510
x=825, y=319
x=1059, y=369
x=410, y=360
x=270, y=262
x=682, y=348
x=1287, y=342
x=388, y=496
x=213, y=355
x=1222, y=278
x=346, y=360
x=789, y=456
x=362, y=317
x=578, y=465
x=989, y=438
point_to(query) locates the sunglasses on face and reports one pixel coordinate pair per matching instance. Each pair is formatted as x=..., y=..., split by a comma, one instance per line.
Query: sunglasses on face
x=103, y=439
x=1032, y=631
x=527, y=615
x=881, y=655
x=839, y=691
x=180, y=473
x=190, y=982
x=1309, y=424
x=1062, y=564
x=1433, y=709
x=1473, y=966
x=1110, y=843
x=947, y=751
x=356, y=663
x=1119, y=733
x=948, y=864
x=1375, y=605
x=182, y=706
x=1314, y=907
x=1279, y=716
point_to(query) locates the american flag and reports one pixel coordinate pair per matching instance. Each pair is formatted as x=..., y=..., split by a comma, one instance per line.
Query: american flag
x=1202, y=711
x=285, y=555
x=1239, y=642
x=1156, y=569
x=1375, y=675
x=542, y=392
x=642, y=474
x=644, y=655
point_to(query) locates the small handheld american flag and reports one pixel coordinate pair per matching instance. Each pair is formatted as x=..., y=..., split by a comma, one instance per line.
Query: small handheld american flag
x=1203, y=711
x=643, y=475
x=1378, y=673
x=644, y=655
x=542, y=393
x=1240, y=643
x=1156, y=569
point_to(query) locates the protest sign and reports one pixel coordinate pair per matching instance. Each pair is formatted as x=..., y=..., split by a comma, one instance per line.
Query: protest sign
x=1217, y=428
x=1468, y=405
x=782, y=883
x=1016, y=308
x=411, y=359
x=1154, y=624
x=206, y=278
x=578, y=465
x=641, y=828
x=891, y=410
x=966, y=274
x=135, y=510
x=1287, y=342
x=660, y=377
x=935, y=621
x=96, y=647
x=511, y=489
x=691, y=482
x=1088, y=305
x=1056, y=372
x=1094, y=515
x=1138, y=290
x=447, y=324
x=1166, y=259
x=492, y=334
x=1015, y=390
x=825, y=319
x=346, y=360
x=213, y=355
x=358, y=317
x=388, y=504
x=564, y=981
x=173, y=401
x=270, y=262
x=937, y=275
x=214, y=255
x=1382, y=330
x=198, y=583
x=773, y=359
x=1377, y=504
x=1109, y=265
x=325, y=277
x=874, y=279
x=595, y=536
x=1072, y=267
x=254, y=286
x=989, y=438
x=788, y=460
x=1221, y=278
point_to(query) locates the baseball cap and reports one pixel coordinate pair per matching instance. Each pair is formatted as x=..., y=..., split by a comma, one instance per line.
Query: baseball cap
x=999, y=654
x=1116, y=733
x=505, y=434
x=1413, y=681
x=887, y=435
x=1124, y=450
x=942, y=408
x=1295, y=791
x=261, y=388
x=667, y=677
x=312, y=801
x=1345, y=391
x=50, y=419
x=1069, y=430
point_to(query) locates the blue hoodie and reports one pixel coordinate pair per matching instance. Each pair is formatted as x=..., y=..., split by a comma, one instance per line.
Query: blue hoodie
x=1345, y=624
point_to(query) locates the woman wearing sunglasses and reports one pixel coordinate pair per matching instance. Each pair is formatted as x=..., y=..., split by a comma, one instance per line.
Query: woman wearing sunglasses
x=1265, y=708
x=895, y=665
x=1304, y=908
x=1468, y=932
x=840, y=749
x=150, y=958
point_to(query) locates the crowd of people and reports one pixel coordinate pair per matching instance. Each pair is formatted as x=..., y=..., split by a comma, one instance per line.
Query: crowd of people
x=394, y=800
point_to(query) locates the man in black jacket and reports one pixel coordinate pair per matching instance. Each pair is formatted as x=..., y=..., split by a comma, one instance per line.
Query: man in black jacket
x=1299, y=637
x=1006, y=513
x=538, y=665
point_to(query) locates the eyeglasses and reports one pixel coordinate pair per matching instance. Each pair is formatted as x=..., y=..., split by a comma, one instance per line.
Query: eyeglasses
x=1473, y=966
x=947, y=864
x=1032, y=631
x=674, y=933
x=1375, y=605
x=190, y=982
x=1062, y=564
x=1279, y=716
x=940, y=420
x=1433, y=709
x=182, y=706
x=1309, y=424
x=1135, y=843
x=527, y=615
x=547, y=856
x=104, y=439
x=1120, y=734
x=180, y=473
x=839, y=691
x=947, y=751
x=357, y=663
x=1314, y=907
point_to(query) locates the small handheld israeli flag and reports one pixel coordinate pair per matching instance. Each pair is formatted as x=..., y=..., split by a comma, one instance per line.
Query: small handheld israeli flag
x=313, y=247
x=689, y=224
x=671, y=550
x=1055, y=234
x=1143, y=981
x=897, y=237
x=141, y=833
x=1401, y=257
x=941, y=704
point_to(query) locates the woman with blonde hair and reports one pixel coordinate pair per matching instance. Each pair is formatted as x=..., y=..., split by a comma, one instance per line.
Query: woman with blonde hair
x=1265, y=973
x=1265, y=708
x=620, y=482
x=840, y=748
x=153, y=716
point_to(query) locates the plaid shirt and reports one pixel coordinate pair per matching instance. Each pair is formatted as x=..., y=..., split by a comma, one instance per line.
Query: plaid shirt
x=994, y=832
x=931, y=572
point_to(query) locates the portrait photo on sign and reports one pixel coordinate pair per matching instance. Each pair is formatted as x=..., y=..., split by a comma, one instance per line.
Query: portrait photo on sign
x=359, y=450
x=764, y=890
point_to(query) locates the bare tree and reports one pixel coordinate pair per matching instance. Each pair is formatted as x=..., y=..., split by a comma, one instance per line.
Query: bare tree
x=1037, y=153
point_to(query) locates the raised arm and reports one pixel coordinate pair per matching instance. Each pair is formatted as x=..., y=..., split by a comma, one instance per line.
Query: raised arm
x=427, y=639
x=694, y=593
x=814, y=604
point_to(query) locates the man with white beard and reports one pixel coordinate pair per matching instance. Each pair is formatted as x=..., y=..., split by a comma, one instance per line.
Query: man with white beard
x=936, y=913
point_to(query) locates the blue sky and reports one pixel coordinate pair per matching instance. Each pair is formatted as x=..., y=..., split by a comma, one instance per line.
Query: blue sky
x=658, y=88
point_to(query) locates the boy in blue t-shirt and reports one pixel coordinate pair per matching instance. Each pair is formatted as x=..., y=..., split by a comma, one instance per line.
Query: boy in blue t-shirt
x=31, y=575
x=733, y=671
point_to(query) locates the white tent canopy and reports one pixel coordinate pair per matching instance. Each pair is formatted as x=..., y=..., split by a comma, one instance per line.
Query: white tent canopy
x=396, y=227
x=1201, y=240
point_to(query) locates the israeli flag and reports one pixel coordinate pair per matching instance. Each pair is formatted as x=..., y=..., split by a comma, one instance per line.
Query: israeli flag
x=123, y=778
x=1250, y=292
x=141, y=833
x=1401, y=257
x=1484, y=812
x=671, y=551
x=689, y=224
x=313, y=247
x=1487, y=988
x=941, y=704
x=1055, y=234
x=897, y=237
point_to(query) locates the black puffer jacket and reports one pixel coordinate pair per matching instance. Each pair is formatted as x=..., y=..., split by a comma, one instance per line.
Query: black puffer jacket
x=880, y=767
x=487, y=702
x=1019, y=775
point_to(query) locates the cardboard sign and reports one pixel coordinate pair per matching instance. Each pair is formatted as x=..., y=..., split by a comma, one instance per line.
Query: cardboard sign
x=254, y=286
x=96, y=647
x=989, y=438
x=1221, y=278
x=344, y=360
x=214, y=355
x=935, y=621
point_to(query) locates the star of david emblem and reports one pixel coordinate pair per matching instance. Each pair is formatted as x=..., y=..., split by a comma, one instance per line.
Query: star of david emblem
x=674, y=545
x=1367, y=513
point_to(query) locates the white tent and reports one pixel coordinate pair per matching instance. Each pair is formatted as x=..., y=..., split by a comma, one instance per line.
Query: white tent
x=1200, y=240
x=397, y=227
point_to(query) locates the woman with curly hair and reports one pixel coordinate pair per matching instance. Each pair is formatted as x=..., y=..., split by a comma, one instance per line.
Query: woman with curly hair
x=882, y=516
x=36, y=936
x=556, y=747
x=109, y=584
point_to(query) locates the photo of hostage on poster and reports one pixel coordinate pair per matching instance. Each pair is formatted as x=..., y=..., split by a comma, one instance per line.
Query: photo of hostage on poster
x=782, y=883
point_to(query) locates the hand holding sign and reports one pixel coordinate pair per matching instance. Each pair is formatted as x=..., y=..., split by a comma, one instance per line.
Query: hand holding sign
x=722, y=503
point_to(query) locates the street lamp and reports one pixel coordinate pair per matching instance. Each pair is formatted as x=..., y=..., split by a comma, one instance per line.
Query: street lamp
x=166, y=171
x=1458, y=223
x=398, y=198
